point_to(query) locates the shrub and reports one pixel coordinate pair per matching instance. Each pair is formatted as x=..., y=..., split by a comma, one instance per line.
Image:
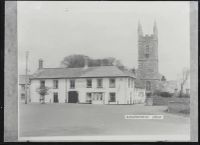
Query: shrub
x=163, y=94
x=166, y=94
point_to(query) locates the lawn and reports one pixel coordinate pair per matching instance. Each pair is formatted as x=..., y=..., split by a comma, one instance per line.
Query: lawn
x=87, y=119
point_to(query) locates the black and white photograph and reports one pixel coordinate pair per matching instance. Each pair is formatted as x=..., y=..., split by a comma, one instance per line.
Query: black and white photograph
x=103, y=71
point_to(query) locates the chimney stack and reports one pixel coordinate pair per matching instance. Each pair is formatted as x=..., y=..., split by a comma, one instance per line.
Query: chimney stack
x=86, y=63
x=40, y=63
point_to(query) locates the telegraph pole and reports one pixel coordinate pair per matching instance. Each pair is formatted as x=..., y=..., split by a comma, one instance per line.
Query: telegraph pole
x=26, y=79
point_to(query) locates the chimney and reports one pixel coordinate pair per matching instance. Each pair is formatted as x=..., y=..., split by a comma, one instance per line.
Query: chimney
x=86, y=63
x=40, y=64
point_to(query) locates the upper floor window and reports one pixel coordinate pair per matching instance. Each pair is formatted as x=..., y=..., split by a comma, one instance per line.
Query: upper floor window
x=89, y=83
x=112, y=83
x=148, y=85
x=55, y=84
x=99, y=83
x=72, y=84
x=42, y=83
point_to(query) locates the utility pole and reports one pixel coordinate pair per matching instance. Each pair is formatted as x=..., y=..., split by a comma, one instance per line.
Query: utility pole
x=26, y=79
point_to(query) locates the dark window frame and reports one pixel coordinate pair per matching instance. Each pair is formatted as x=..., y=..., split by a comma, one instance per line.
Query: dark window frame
x=55, y=84
x=42, y=83
x=112, y=97
x=89, y=83
x=72, y=84
x=112, y=84
x=99, y=83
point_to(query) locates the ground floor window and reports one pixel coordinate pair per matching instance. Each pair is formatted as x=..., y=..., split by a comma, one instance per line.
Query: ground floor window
x=98, y=96
x=22, y=96
x=112, y=97
x=89, y=97
x=55, y=97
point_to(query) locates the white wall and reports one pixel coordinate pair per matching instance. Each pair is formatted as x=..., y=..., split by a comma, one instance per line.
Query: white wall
x=35, y=97
x=124, y=93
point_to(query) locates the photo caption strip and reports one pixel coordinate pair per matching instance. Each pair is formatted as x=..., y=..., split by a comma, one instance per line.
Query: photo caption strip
x=144, y=116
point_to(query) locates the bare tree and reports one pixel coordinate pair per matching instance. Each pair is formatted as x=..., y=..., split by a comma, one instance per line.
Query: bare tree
x=184, y=77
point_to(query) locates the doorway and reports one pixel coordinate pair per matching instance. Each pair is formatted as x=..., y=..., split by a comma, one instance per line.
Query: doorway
x=72, y=97
x=55, y=97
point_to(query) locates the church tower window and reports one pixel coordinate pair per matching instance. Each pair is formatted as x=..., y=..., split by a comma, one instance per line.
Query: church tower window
x=147, y=51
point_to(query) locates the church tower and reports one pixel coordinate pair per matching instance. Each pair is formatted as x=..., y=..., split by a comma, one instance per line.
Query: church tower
x=148, y=72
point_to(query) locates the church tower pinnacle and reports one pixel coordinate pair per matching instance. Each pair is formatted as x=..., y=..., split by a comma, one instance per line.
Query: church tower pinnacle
x=140, y=33
x=155, y=30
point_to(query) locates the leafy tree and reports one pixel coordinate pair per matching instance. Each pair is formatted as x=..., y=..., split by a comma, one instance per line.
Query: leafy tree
x=43, y=91
x=73, y=61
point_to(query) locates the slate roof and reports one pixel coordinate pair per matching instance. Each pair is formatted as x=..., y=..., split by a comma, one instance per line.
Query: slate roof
x=100, y=71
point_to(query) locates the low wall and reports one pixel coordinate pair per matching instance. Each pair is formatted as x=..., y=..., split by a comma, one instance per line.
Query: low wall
x=158, y=100
x=178, y=107
x=149, y=101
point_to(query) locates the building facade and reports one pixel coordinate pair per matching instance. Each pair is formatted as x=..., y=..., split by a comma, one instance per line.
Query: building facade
x=92, y=85
x=22, y=88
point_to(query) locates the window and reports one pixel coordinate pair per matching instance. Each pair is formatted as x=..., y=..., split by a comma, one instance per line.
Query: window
x=88, y=97
x=147, y=51
x=112, y=97
x=129, y=82
x=42, y=83
x=112, y=83
x=72, y=84
x=89, y=83
x=55, y=97
x=148, y=85
x=22, y=96
x=55, y=84
x=98, y=96
x=23, y=87
x=99, y=83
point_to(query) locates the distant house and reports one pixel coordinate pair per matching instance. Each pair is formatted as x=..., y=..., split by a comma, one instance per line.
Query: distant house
x=22, y=83
x=174, y=87
x=95, y=85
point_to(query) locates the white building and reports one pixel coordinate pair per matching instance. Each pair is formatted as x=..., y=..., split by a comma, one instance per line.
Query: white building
x=96, y=85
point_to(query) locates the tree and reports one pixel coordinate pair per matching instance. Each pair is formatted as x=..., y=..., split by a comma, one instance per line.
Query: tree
x=183, y=79
x=73, y=61
x=43, y=91
x=78, y=60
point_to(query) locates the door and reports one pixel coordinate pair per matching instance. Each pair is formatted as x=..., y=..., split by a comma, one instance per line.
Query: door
x=97, y=98
x=55, y=97
x=73, y=97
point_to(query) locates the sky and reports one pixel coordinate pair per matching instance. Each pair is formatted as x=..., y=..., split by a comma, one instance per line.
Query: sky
x=52, y=30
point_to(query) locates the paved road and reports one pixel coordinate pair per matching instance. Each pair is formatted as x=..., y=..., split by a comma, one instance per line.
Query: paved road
x=85, y=119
